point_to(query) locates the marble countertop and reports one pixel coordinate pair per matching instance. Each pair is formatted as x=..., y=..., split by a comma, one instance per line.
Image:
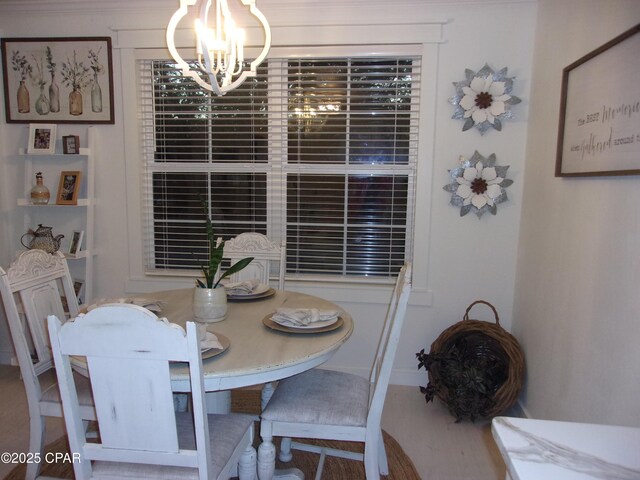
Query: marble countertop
x=545, y=449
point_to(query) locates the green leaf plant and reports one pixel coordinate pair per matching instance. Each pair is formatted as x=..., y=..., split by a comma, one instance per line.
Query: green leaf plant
x=216, y=251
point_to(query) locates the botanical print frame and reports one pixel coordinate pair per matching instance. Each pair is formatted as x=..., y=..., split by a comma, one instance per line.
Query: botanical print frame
x=599, y=131
x=61, y=80
x=68, y=188
x=42, y=139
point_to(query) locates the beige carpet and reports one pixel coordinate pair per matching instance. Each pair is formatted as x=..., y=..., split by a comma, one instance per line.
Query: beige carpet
x=248, y=401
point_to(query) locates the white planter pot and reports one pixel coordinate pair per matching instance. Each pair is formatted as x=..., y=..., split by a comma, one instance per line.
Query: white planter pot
x=209, y=304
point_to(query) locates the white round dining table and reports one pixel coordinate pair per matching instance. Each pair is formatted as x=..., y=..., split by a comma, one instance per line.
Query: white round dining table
x=256, y=354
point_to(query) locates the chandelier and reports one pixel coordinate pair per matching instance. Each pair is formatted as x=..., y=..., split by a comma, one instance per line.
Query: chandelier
x=220, y=65
x=310, y=107
x=309, y=113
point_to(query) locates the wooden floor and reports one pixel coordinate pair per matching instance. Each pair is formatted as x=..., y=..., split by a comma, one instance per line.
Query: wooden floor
x=440, y=448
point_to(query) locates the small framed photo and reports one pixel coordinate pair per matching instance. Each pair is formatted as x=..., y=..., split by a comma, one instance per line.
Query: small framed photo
x=70, y=144
x=78, y=287
x=76, y=242
x=42, y=138
x=68, y=188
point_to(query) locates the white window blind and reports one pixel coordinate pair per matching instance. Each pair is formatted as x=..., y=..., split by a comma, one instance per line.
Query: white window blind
x=319, y=152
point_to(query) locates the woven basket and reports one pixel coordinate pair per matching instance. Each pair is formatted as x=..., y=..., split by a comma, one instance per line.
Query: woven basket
x=489, y=344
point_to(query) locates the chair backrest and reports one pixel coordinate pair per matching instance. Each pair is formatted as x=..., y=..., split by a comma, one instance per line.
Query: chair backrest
x=265, y=254
x=35, y=277
x=128, y=350
x=387, y=346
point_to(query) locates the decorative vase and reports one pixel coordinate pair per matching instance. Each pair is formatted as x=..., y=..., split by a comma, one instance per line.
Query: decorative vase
x=96, y=95
x=54, y=95
x=209, y=304
x=23, y=98
x=75, y=102
x=39, y=193
x=42, y=103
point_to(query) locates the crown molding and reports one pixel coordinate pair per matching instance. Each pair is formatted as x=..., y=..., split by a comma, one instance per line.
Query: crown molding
x=141, y=6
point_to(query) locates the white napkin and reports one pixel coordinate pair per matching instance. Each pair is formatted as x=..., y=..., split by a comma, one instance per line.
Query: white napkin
x=210, y=341
x=148, y=303
x=242, y=288
x=300, y=317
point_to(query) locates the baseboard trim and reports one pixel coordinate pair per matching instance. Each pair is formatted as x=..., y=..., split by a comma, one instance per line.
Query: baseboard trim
x=523, y=409
x=8, y=358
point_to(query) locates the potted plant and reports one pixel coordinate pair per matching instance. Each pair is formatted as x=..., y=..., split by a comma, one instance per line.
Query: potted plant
x=209, y=296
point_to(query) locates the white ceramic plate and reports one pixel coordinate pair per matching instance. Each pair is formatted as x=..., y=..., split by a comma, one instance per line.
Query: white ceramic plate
x=150, y=304
x=282, y=328
x=311, y=326
x=80, y=363
x=250, y=298
x=259, y=290
x=212, y=352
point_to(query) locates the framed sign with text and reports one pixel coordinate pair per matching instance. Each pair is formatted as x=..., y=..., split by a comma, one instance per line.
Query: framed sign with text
x=599, y=131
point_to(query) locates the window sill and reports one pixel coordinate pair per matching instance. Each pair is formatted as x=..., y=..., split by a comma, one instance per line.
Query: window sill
x=342, y=292
x=350, y=292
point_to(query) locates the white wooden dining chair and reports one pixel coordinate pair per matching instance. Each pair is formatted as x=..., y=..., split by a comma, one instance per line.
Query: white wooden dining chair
x=330, y=405
x=265, y=255
x=128, y=351
x=30, y=288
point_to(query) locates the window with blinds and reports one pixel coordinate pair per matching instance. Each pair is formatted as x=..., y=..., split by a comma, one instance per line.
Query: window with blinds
x=320, y=152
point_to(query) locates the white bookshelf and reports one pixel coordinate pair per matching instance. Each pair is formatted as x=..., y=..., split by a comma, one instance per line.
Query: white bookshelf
x=65, y=219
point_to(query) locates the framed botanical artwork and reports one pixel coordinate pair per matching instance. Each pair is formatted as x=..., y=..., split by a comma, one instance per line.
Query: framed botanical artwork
x=599, y=131
x=61, y=80
x=70, y=144
x=68, y=188
x=42, y=139
x=76, y=242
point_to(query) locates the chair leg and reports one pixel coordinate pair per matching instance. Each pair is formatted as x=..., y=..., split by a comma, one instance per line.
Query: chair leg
x=267, y=391
x=247, y=466
x=36, y=445
x=266, y=452
x=383, y=465
x=285, y=450
x=371, y=450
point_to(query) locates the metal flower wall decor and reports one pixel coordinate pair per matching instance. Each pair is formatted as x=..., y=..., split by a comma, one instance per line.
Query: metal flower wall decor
x=478, y=185
x=484, y=99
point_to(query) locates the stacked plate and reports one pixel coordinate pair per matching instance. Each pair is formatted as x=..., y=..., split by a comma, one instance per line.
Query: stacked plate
x=262, y=290
x=213, y=344
x=148, y=303
x=303, y=320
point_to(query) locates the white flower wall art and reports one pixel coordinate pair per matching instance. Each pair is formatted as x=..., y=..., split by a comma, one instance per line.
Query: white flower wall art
x=478, y=185
x=484, y=99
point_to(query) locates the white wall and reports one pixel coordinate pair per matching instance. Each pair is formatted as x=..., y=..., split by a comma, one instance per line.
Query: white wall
x=463, y=259
x=6, y=206
x=577, y=309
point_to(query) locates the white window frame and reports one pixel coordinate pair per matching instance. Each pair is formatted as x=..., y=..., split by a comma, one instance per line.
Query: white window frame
x=420, y=38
